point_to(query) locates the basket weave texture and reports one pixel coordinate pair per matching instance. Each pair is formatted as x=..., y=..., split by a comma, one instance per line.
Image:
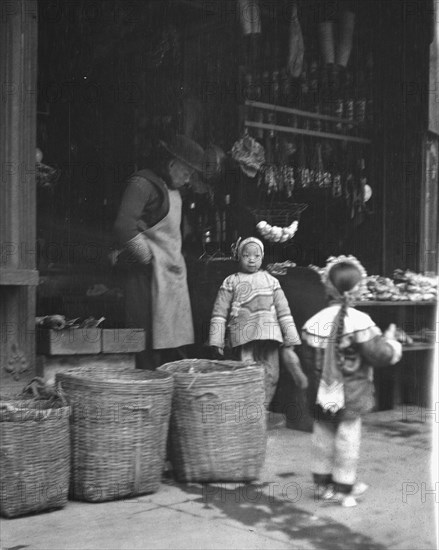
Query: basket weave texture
x=120, y=420
x=218, y=423
x=280, y=214
x=34, y=456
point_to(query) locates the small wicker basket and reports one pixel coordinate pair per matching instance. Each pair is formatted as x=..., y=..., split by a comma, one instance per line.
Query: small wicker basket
x=34, y=456
x=218, y=422
x=120, y=420
x=281, y=214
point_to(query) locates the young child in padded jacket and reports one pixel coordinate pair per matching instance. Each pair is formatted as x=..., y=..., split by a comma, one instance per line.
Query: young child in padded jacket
x=252, y=315
x=341, y=345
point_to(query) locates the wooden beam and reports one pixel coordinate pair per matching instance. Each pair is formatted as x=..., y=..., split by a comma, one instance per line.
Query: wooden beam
x=18, y=75
x=18, y=277
x=299, y=112
x=303, y=132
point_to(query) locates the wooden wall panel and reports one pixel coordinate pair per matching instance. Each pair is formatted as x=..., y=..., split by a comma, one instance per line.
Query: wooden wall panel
x=403, y=78
x=18, y=277
x=433, y=89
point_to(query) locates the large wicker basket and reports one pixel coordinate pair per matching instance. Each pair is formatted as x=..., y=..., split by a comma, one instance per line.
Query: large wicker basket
x=218, y=424
x=120, y=420
x=34, y=456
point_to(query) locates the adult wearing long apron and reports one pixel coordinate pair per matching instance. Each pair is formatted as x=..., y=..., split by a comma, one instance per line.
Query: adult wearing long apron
x=148, y=227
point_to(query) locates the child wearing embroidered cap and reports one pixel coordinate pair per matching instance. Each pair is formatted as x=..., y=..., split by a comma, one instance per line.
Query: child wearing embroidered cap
x=341, y=345
x=252, y=314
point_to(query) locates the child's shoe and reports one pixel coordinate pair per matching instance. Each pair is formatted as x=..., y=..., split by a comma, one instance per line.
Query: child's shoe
x=328, y=493
x=329, y=496
x=347, y=501
x=359, y=488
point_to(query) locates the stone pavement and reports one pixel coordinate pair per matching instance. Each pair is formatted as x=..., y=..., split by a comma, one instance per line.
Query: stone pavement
x=278, y=511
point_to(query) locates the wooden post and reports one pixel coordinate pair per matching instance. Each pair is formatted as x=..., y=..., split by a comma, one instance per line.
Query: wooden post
x=18, y=275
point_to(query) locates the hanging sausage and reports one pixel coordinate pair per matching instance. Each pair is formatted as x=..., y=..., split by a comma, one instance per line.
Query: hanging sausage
x=296, y=47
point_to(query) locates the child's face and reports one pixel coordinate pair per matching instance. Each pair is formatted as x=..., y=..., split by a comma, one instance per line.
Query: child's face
x=251, y=258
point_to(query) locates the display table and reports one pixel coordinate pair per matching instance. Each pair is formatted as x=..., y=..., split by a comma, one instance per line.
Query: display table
x=410, y=380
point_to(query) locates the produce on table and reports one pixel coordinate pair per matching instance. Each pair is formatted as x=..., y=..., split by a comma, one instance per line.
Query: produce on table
x=405, y=285
x=280, y=268
x=416, y=285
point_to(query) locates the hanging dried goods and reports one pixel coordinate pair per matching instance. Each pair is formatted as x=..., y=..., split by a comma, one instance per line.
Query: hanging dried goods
x=275, y=233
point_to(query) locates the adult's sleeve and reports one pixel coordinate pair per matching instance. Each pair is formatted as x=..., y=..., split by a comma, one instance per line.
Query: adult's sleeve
x=138, y=193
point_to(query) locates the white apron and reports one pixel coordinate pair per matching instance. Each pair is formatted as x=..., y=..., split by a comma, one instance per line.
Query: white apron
x=172, y=324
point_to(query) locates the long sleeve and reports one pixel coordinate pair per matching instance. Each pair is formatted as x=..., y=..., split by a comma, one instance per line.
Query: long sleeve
x=220, y=314
x=380, y=352
x=137, y=195
x=286, y=322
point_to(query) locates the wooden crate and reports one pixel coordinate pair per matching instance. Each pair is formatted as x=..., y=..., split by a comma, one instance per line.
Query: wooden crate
x=70, y=341
x=123, y=340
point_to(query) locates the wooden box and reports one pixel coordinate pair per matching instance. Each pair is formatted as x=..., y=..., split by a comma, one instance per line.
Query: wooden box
x=70, y=341
x=123, y=340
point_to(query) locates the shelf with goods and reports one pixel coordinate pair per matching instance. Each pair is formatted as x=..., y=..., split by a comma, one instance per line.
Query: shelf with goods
x=409, y=381
x=304, y=129
x=399, y=303
x=416, y=336
x=419, y=346
x=311, y=158
x=315, y=120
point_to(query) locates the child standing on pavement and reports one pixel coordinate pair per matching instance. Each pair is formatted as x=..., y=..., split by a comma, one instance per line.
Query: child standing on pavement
x=341, y=345
x=252, y=315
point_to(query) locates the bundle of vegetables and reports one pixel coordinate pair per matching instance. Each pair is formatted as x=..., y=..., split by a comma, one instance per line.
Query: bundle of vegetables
x=415, y=286
x=405, y=285
x=280, y=268
x=59, y=322
x=382, y=289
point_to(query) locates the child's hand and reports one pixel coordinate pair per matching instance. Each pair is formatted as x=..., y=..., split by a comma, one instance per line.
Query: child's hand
x=391, y=332
x=292, y=364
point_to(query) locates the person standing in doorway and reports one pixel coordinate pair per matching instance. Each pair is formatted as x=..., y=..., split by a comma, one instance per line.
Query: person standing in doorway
x=148, y=232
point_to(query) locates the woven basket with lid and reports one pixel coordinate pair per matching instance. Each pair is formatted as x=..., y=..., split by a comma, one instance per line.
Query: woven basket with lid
x=218, y=422
x=120, y=420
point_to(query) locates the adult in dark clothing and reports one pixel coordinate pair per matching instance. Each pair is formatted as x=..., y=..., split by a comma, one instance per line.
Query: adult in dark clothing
x=148, y=229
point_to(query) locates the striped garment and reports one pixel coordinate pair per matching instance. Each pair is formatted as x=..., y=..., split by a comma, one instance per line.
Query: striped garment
x=249, y=307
